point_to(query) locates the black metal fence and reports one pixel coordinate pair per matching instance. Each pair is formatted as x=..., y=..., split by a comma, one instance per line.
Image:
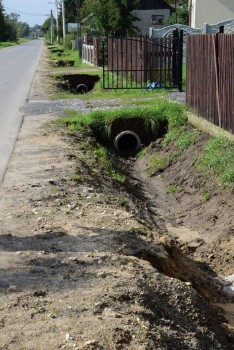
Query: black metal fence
x=136, y=63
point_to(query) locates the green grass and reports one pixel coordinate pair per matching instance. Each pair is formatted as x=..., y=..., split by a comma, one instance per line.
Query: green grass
x=7, y=43
x=98, y=123
x=107, y=163
x=187, y=139
x=184, y=77
x=68, y=55
x=127, y=97
x=173, y=188
x=4, y=44
x=141, y=96
x=205, y=197
x=156, y=164
x=142, y=152
x=218, y=160
x=121, y=200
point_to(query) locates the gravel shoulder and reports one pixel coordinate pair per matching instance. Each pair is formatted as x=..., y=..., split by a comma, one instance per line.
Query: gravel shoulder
x=89, y=264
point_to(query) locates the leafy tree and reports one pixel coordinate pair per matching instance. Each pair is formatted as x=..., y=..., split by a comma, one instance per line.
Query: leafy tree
x=181, y=14
x=112, y=17
x=72, y=10
x=23, y=29
x=46, y=27
x=126, y=17
x=2, y=21
x=11, y=26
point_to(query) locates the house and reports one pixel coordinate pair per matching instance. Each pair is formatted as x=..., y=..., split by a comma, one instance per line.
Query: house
x=152, y=13
x=210, y=11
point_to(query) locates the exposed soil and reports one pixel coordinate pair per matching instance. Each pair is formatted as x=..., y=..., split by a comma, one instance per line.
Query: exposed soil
x=202, y=227
x=87, y=263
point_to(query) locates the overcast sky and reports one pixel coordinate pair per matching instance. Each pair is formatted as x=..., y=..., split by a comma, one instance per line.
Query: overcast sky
x=30, y=11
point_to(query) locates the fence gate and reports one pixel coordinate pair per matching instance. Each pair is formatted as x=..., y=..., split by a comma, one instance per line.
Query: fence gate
x=137, y=63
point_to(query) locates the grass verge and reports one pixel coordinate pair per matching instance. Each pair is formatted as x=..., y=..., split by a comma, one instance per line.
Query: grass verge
x=218, y=160
x=7, y=43
x=98, y=123
x=4, y=44
x=59, y=54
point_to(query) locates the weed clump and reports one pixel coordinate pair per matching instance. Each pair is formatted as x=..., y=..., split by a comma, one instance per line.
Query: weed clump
x=218, y=160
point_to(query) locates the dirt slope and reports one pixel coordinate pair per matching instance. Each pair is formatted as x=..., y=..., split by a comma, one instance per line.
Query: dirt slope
x=202, y=226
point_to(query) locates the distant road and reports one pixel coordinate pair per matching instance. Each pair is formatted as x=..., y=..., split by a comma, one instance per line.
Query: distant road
x=17, y=67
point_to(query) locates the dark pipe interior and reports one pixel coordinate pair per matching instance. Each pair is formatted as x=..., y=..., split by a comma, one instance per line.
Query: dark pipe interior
x=128, y=142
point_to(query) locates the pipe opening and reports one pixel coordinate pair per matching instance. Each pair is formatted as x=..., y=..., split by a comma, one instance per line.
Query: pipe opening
x=82, y=89
x=127, y=143
x=78, y=83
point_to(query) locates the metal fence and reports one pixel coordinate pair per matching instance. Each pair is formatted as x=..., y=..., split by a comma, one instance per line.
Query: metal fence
x=135, y=63
x=210, y=78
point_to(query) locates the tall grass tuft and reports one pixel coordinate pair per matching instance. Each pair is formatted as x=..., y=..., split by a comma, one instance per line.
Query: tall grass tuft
x=218, y=159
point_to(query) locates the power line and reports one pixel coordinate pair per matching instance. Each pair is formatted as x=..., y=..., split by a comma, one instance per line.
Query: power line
x=26, y=13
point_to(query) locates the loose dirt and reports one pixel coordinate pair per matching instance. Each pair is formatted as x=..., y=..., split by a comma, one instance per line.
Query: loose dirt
x=87, y=263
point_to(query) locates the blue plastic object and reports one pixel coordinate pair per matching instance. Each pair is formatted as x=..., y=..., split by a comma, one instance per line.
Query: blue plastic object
x=155, y=85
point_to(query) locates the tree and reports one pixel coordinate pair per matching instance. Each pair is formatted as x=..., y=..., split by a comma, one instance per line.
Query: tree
x=23, y=29
x=181, y=14
x=2, y=21
x=11, y=26
x=46, y=26
x=126, y=17
x=72, y=10
x=112, y=17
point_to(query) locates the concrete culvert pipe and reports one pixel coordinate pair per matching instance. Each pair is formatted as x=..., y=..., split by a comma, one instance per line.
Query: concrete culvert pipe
x=82, y=88
x=127, y=142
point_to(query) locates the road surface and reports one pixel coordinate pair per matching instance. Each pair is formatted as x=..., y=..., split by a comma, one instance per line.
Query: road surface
x=17, y=67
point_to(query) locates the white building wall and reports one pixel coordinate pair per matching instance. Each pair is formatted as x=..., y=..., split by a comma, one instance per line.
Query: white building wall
x=211, y=11
x=145, y=17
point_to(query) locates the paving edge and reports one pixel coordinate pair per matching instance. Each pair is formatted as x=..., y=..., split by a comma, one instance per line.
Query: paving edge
x=208, y=127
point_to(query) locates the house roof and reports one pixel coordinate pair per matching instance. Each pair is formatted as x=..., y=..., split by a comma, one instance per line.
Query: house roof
x=154, y=5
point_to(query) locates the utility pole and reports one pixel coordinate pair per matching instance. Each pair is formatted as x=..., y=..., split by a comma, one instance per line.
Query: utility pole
x=79, y=42
x=57, y=25
x=57, y=17
x=64, y=23
x=78, y=18
x=51, y=27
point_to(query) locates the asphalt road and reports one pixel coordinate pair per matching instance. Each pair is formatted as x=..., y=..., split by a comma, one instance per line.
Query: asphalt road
x=17, y=68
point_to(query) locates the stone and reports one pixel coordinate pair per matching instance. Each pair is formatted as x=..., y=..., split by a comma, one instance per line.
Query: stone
x=39, y=293
x=69, y=337
x=13, y=289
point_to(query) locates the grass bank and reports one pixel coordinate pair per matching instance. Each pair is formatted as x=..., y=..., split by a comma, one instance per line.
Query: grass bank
x=4, y=44
x=216, y=161
x=98, y=123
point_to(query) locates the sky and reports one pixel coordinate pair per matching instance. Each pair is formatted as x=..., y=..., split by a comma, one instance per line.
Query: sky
x=30, y=11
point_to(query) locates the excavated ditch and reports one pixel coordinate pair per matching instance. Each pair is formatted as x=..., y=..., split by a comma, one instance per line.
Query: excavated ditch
x=87, y=263
x=78, y=83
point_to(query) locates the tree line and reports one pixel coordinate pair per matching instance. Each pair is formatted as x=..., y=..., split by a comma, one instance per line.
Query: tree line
x=116, y=17
x=106, y=17
x=10, y=27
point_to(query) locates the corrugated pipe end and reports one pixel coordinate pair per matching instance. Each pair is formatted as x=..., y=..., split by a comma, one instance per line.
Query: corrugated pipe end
x=127, y=143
